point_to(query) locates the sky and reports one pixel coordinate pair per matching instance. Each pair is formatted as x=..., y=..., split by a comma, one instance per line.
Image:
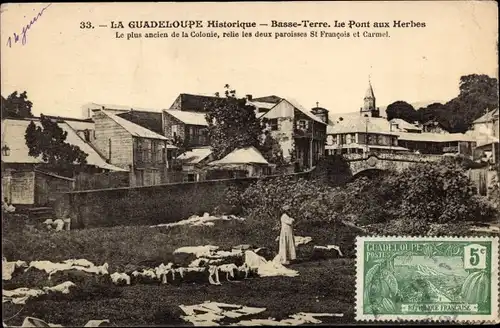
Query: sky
x=62, y=67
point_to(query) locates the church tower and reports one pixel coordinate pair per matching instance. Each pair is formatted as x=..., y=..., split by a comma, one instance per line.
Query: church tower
x=369, y=107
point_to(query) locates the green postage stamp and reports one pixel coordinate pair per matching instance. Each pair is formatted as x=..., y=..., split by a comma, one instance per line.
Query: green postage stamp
x=427, y=278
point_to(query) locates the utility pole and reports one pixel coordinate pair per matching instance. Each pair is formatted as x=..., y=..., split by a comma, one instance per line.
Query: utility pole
x=390, y=138
x=311, y=147
x=366, y=136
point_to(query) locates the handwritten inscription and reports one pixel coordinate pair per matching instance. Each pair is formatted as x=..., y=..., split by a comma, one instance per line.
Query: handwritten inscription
x=16, y=38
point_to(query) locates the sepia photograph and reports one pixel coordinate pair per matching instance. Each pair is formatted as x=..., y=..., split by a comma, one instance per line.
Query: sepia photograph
x=265, y=163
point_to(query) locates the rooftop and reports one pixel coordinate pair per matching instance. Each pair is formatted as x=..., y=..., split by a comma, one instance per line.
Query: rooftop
x=436, y=137
x=195, y=155
x=247, y=155
x=192, y=118
x=134, y=129
x=297, y=106
x=13, y=131
x=404, y=125
x=359, y=124
x=488, y=117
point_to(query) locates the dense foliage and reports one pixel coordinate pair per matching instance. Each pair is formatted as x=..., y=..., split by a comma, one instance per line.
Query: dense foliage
x=402, y=110
x=49, y=141
x=232, y=124
x=417, y=200
x=17, y=106
x=477, y=95
x=333, y=170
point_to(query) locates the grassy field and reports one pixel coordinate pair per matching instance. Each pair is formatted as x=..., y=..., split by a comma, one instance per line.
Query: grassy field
x=323, y=285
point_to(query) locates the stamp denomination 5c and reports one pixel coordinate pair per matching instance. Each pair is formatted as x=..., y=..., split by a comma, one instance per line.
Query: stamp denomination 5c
x=427, y=278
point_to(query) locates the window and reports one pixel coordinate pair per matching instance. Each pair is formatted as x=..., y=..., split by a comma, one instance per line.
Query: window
x=203, y=134
x=160, y=152
x=147, y=150
x=87, y=135
x=302, y=124
x=138, y=150
x=274, y=124
x=175, y=131
x=351, y=138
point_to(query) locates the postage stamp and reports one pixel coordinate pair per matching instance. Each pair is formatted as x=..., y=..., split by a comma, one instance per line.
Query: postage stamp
x=427, y=278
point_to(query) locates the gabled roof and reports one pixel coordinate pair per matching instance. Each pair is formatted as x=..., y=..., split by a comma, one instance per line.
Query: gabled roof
x=404, y=125
x=195, y=155
x=488, y=117
x=301, y=108
x=13, y=131
x=361, y=124
x=132, y=128
x=295, y=104
x=247, y=155
x=192, y=118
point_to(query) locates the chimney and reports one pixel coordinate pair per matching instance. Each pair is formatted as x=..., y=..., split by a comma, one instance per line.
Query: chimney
x=321, y=113
x=249, y=97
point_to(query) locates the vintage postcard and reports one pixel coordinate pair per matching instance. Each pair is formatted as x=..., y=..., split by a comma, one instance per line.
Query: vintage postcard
x=422, y=278
x=237, y=163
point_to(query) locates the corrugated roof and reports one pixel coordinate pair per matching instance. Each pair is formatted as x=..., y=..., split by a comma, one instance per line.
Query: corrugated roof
x=260, y=104
x=134, y=129
x=488, y=117
x=247, y=155
x=193, y=118
x=13, y=136
x=358, y=124
x=404, y=125
x=195, y=155
x=435, y=137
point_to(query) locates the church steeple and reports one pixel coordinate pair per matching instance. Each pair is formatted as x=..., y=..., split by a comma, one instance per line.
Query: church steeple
x=369, y=102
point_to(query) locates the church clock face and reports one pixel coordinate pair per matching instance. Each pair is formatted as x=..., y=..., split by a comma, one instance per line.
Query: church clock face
x=329, y=140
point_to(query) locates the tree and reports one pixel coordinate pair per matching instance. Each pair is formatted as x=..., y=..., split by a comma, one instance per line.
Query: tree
x=17, y=106
x=403, y=110
x=232, y=124
x=434, y=112
x=333, y=169
x=271, y=150
x=49, y=142
x=478, y=94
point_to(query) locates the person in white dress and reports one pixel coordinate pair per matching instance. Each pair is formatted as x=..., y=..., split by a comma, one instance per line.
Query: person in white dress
x=286, y=241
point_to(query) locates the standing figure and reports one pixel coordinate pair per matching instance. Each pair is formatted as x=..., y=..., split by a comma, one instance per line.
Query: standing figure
x=287, y=240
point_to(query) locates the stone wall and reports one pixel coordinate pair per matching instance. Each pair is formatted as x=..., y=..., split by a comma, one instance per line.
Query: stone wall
x=146, y=205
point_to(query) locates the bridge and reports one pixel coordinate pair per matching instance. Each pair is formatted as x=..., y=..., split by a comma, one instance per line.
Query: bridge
x=379, y=161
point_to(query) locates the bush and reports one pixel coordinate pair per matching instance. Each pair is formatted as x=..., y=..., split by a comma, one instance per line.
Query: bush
x=333, y=170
